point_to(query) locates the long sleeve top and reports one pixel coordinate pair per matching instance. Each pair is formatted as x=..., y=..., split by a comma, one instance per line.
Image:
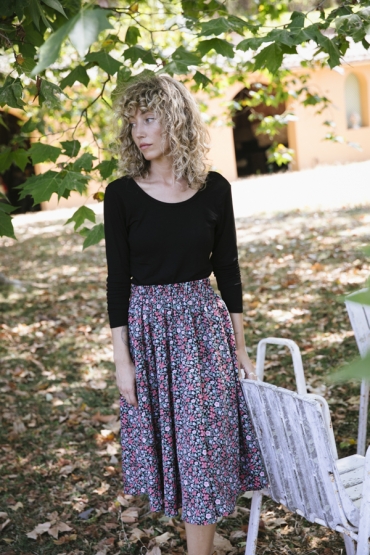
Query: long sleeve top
x=150, y=242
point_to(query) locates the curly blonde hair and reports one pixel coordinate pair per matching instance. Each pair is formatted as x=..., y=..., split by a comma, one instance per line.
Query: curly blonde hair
x=182, y=126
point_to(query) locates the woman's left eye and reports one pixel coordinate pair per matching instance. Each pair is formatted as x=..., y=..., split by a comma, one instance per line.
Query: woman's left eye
x=149, y=119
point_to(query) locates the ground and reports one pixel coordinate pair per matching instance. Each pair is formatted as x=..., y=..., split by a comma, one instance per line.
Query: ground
x=59, y=447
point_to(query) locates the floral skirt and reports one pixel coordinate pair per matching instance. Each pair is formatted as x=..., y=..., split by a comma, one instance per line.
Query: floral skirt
x=190, y=442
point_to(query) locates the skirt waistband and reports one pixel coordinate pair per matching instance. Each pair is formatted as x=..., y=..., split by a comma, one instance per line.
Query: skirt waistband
x=173, y=289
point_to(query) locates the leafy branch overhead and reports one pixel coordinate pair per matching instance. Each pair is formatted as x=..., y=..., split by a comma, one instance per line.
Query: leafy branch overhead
x=64, y=58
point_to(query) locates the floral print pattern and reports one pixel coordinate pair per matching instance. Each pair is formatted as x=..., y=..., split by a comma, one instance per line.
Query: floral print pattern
x=190, y=442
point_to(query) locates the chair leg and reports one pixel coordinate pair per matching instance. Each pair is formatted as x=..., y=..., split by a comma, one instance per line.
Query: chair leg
x=254, y=520
x=349, y=545
x=363, y=546
x=362, y=418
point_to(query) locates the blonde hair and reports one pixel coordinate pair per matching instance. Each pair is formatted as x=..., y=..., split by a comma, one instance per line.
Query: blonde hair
x=182, y=124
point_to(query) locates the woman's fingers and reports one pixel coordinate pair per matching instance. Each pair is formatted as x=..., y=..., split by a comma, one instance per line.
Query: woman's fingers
x=129, y=395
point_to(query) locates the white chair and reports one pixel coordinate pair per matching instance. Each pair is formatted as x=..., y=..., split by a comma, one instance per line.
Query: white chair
x=359, y=316
x=298, y=448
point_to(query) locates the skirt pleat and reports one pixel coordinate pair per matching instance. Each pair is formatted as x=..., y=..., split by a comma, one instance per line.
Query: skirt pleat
x=190, y=443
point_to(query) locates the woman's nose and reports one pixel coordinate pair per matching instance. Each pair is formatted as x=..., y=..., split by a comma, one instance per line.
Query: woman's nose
x=140, y=130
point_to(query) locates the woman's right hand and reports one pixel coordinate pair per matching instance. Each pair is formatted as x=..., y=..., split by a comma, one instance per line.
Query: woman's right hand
x=125, y=368
x=126, y=382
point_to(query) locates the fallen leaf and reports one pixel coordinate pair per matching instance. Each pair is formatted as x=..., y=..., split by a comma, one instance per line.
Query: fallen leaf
x=274, y=523
x=163, y=538
x=86, y=514
x=18, y=427
x=136, y=535
x=2, y=526
x=104, y=487
x=58, y=527
x=66, y=470
x=122, y=501
x=103, y=417
x=17, y=506
x=222, y=544
x=155, y=551
x=52, y=528
x=40, y=529
x=98, y=384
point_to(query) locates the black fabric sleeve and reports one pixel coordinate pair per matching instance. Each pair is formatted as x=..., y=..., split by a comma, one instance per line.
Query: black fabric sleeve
x=224, y=257
x=118, y=283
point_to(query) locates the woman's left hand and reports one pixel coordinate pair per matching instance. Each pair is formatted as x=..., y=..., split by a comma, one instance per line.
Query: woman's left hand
x=245, y=362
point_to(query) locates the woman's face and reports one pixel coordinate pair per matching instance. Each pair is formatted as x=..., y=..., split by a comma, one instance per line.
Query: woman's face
x=147, y=134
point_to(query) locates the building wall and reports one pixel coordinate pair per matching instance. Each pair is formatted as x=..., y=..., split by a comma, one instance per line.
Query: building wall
x=306, y=135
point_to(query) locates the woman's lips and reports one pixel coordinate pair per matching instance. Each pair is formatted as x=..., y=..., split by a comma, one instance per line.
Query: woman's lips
x=144, y=145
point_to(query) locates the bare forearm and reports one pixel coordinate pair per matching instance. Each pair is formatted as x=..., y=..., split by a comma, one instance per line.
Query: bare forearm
x=237, y=321
x=244, y=361
x=121, y=351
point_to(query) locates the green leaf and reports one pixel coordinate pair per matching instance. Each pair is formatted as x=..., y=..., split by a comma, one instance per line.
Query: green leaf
x=55, y=5
x=3, y=124
x=72, y=181
x=186, y=57
x=71, y=148
x=41, y=152
x=6, y=159
x=135, y=53
x=79, y=74
x=297, y=20
x=123, y=75
x=82, y=214
x=105, y=61
x=40, y=187
x=29, y=126
x=107, y=167
x=361, y=297
x=87, y=26
x=201, y=80
x=132, y=36
x=334, y=54
x=84, y=162
x=356, y=370
x=36, y=12
x=49, y=94
x=6, y=207
x=219, y=45
x=250, y=44
x=6, y=225
x=20, y=158
x=281, y=36
x=214, y=27
x=269, y=57
x=11, y=93
x=95, y=235
x=50, y=49
x=33, y=36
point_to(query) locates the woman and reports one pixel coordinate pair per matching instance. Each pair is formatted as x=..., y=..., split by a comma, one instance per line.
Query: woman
x=186, y=436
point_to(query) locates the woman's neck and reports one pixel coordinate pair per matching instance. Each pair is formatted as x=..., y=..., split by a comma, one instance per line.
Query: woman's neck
x=161, y=171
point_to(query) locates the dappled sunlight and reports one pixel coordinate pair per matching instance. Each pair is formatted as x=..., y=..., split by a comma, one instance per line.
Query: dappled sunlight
x=61, y=447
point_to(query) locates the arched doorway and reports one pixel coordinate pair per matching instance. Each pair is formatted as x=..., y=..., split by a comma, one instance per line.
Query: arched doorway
x=10, y=133
x=250, y=148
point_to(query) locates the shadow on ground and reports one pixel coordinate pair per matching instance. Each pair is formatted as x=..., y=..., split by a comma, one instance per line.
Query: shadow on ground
x=60, y=443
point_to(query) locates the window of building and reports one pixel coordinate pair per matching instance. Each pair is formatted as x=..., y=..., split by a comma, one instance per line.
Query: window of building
x=354, y=109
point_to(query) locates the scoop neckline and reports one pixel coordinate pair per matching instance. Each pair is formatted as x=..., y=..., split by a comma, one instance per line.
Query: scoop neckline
x=162, y=201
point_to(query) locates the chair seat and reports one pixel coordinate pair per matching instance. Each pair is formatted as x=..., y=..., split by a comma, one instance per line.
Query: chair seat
x=351, y=471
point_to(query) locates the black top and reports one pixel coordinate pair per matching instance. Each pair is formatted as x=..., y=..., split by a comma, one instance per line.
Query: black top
x=150, y=242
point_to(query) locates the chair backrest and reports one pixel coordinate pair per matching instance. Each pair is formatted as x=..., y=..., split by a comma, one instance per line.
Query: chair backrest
x=298, y=454
x=359, y=316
